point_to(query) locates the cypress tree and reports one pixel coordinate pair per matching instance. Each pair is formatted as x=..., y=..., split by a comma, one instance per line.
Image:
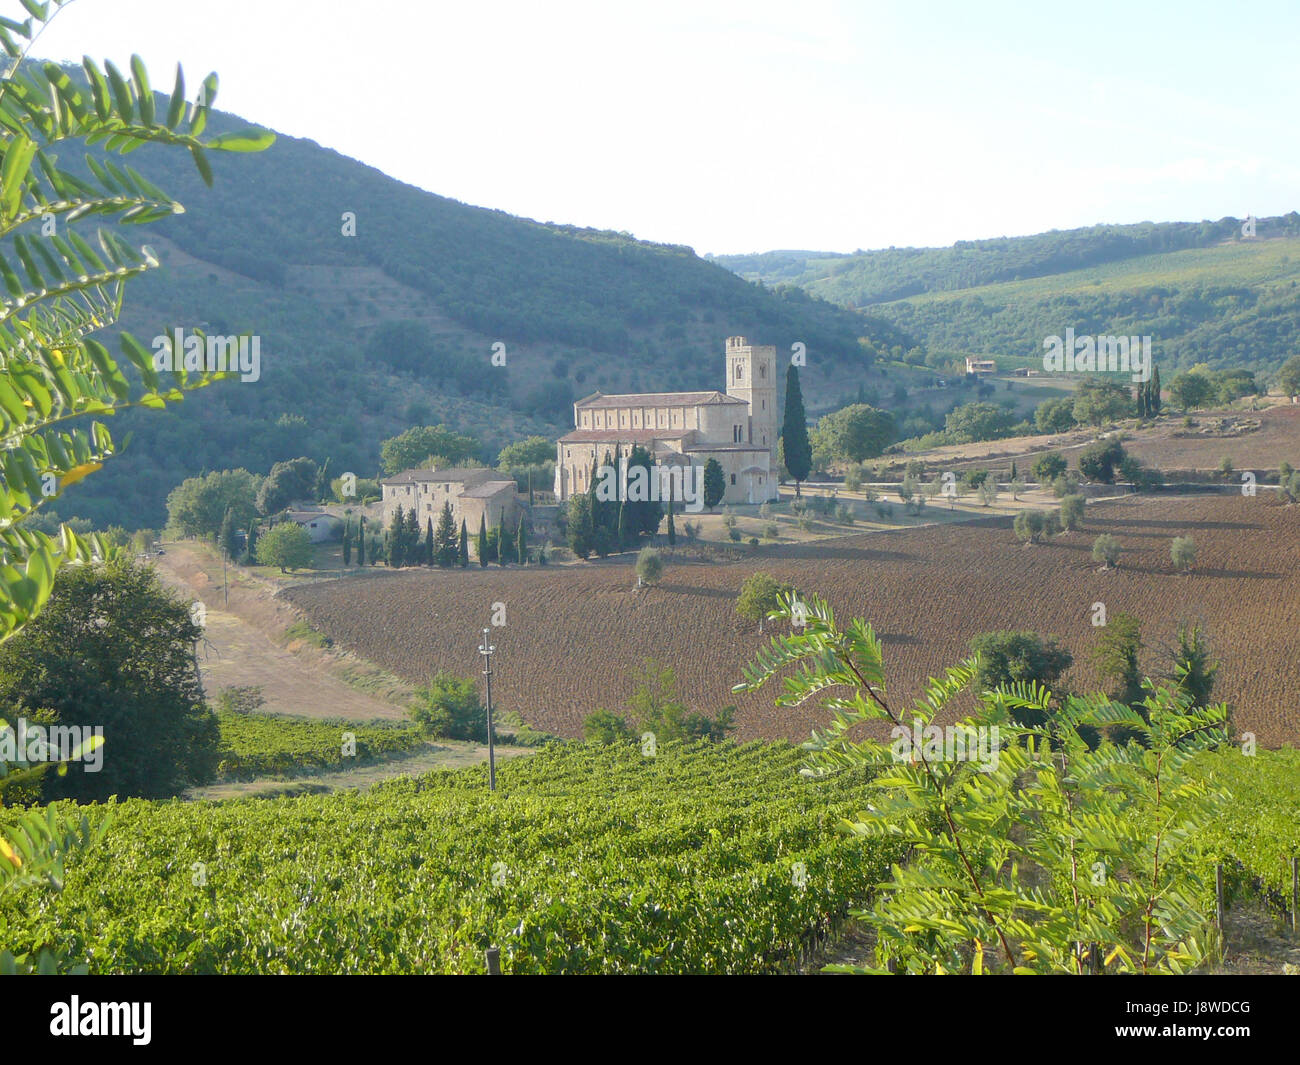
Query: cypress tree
x=226, y=538
x=411, y=538
x=250, y=545
x=1155, y=391
x=672, y=529
x=482, y=540
x=1013, y=469
x=794, y=431
x=347, y=544
x=624, y=536
x=361, y=544
x=445, y=538
x=394, y=539
x=462, y=550
x=504, y=545
x=430, y=550
x=521, y=542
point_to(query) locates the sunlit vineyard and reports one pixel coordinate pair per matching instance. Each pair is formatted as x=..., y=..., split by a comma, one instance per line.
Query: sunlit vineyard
x=575, y=635
x=587, y=859
x=260, y=744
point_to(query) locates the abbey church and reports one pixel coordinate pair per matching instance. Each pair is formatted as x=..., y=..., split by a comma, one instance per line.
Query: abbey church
x=737, y=427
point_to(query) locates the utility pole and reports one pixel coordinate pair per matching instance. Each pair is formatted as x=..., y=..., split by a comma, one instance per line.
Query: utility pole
x=486, y=649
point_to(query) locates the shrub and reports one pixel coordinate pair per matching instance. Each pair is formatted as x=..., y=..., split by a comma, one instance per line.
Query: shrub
x=240, y=700
x=734, y=535
x=1106, y=550
x=649, y=566
x=1182, y=549
x=605, y=726
x=1100, y=460
x=1028, y=525
x=285, y=545
x=449, y=707
x=1064, y=485
x=1048, y=467
x=771, y=531
x=1072, y=507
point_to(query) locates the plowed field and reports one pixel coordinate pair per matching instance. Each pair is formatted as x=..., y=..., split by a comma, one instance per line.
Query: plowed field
x=574, y=635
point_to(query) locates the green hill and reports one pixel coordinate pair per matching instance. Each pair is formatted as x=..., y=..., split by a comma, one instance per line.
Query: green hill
x=1201, y=291
x=362, y=336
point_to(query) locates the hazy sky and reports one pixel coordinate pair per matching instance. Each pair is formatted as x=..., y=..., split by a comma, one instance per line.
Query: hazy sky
x=735, y=127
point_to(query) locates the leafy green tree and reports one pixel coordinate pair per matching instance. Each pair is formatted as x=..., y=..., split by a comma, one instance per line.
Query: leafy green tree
x=446, y=545
x=1098, y=401
x=1115, y=656
x=114, y=649
x=1191, y=390
x=1015, y=487
x=1008, y=658
x=1194, y=669
x=1106, y=550
x=198, y=505
x=715, y=484
x=285, y=545
x=854, y=433
x=649, y=566
x=1048, y=467
x=287, y=482
x=418, y=444
x=523, y=454
x=978, y=421
x=1055, y=415
x=760, y=594
x=655, y=704
x=449, y=707
x=1182, y=551
x=1287, y=378
x=462, y=548
x=796, y=449
x=1099, y=461
x=605, y=726
x=994, y=835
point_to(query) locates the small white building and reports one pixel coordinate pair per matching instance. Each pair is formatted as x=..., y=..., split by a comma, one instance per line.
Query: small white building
x=980, y=366
x=320, y=525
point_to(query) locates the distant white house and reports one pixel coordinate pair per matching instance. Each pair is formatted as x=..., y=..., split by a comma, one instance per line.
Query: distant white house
x=980, y=366
x=319, y=524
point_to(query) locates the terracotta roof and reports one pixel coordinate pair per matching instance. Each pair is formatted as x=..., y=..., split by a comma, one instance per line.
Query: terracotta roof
x=613, y=436
x=659, y=399
x=470, y=475
x=488, y=489
x=728, y=447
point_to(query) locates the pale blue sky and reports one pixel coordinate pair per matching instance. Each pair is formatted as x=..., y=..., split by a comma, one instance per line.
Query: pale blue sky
x=735, y=127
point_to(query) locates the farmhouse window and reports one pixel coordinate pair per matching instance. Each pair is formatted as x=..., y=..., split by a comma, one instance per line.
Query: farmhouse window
x=733, y=478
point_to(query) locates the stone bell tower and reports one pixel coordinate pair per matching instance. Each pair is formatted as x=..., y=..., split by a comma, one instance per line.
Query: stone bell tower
x=751, y=376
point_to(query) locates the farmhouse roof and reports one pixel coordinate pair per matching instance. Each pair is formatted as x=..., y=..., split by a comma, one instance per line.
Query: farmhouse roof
x=469, y=475
x=488, y=489
x=659, y=399
x=613, y=436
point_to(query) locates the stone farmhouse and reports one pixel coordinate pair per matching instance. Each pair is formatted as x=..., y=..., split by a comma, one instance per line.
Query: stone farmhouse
x=472, y=493
x=738, y=427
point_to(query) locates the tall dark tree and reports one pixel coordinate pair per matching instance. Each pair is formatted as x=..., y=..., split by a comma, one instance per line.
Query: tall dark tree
x=581, y=534
x=430, y=543
x=672, y=529
x=395, y=538
x=411, y=546
x=715, y=483
x=114, y=649
x=521, y=542
x=644, y=515
x=445, y=538
x=624, y=537
x=1156, y=401
x=482, y=544
x=250, y=543
x=505, y=546
x=228, y=538
x=347, y=543
x=361, y=544
x=462, y=549
x=794, y=431
x=1194, y=669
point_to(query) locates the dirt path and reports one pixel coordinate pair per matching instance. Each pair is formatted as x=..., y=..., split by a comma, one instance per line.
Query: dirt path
x=245, y=646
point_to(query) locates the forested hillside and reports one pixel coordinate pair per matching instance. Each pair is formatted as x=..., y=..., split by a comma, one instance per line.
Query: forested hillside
x=363, y=335
x=1202, y=291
